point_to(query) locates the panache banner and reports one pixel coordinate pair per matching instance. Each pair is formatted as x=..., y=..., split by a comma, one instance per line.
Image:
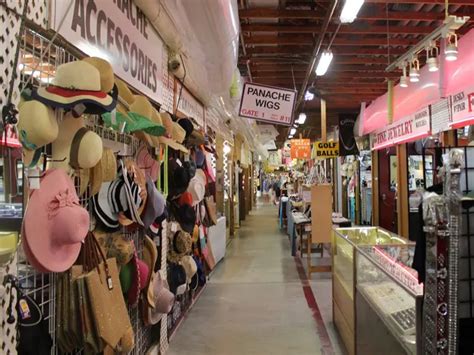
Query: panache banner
x=413, y=127
x=119, y=32
x=267, y=103
x=347, y=143
x=325, y=150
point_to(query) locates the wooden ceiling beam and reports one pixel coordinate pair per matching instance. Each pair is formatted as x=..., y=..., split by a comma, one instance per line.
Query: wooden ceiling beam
x=345, y=29
x=337, y=50
x=308, y=40
x=300, y=68
x=329, y=75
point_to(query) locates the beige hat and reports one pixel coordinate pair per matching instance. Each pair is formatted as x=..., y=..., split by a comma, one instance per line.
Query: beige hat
x=106, y=72
x=124, y=91
x=189, y=266
x=175, y=133
x=105, y=170
x=37, y=126
x=143, y=107
x=76, y=147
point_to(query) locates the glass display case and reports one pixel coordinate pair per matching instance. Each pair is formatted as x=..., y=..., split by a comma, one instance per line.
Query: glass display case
x=388, y=301
x=345, y=241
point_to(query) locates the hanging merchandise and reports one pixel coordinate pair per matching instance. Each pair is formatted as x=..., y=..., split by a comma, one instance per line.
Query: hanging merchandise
x=347, y=143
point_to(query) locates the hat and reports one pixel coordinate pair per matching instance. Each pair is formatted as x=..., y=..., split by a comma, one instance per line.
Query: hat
x=136, y=192
x=180, y=245
x=196, y=138
x=155, y=204
x=55, y=224
x=106, y=71
x=76, y=146
x=189, y=265
x=176, y=277
x=107, y=203
x=140, y=277
x=181, y=177
x=124, y=92
x=187, y=125
x=186, y=216
x=150, y=256
x=37, y=126
x=162, y=300
x=8, y=245
x=142, y=106
x=105, y=170
x=175, y=134
x=197, y=187
x=199, y=158
x=147, y=163
x=185, y=199
x=76, y=83
x=115, y=245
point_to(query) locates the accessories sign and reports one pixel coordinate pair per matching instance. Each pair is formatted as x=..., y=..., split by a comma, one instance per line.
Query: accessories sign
x=267, y=103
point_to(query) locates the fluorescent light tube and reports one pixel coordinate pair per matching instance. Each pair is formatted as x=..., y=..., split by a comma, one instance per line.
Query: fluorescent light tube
x=350, y=10
x=292, y=131
x=301, y=118
x=324, y=62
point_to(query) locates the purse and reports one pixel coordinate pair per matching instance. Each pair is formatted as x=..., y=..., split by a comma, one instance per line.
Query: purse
x=205, y=250
x=211, y=212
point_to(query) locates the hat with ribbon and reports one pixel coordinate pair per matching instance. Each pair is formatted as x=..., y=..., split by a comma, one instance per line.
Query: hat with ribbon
x=76, y=84
x=76, y=147
x=176, y=277
x=180, y=246
x=55, y=224
x=162, y=300
x=37, y=126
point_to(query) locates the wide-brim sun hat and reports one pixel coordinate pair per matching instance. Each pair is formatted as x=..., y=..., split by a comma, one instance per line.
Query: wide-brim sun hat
x=163, y=300
x=76, y=83
x=55, y=224
x=105, y=170
x=136, y=192
x=175, y=134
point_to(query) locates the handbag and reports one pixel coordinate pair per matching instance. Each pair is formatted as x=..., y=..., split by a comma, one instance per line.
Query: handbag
x=205, y=250
x=210, y=219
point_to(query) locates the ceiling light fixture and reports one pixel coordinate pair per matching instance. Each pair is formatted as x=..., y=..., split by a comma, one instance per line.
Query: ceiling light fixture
x=290, y=137
x=296, y=125
x=432, y=58
x=350, y=10
x=451, y=48
x=293, y=131
x=302, y=118
x=324, y=62
x=404, y=78
x=308, y=96
x=415, y=70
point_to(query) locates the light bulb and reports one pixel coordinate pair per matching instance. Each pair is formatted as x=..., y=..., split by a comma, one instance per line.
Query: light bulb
x=404, y=81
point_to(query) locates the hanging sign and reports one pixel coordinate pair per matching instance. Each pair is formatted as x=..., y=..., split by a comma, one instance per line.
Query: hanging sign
x=413, y=127
x=267, y=103
x=120, y=33
x=300, y=149
x=189, y=105
x=9, y=138
x=462, y=108
x=324, y=150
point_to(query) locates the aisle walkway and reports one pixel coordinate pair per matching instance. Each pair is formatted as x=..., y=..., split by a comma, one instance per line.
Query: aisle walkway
x=254, y=303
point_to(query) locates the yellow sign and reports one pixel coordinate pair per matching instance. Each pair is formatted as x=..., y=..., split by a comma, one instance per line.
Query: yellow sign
x=326, y=150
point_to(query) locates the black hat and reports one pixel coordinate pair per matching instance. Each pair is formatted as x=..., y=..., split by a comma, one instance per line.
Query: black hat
x=176, y=277
x=187, y=126
x=186, y=216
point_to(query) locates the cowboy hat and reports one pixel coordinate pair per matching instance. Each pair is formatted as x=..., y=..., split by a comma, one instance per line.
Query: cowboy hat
x=55, y=224
x=135, y=273
x=162, y=300
x=76, y=83
x=105, y=170
x=155, y=204
x=197, y=187
x=76, y=146
x=175, y=134
x=150, y=256
x=37, y=126
x=180, y=245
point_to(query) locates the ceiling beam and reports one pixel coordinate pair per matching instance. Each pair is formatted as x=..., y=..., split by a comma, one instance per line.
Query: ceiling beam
x=308, y=40
x=348, y=29
x=339, y=51
x=298, y=68
x=430, y=2
x=268, y=13
x=329, y=75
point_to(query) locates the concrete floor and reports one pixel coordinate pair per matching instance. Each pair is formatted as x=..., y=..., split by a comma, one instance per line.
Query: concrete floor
x=254, y=302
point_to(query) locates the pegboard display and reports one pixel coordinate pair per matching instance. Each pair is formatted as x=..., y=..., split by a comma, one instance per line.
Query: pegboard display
x=8, y=333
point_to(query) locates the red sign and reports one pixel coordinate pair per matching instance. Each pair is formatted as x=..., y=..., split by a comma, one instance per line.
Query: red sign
x=300, y=149
x=9, y=138
x=413, y=127
x=462, y=108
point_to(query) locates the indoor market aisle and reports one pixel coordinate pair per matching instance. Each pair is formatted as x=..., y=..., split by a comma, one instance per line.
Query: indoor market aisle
x=255, y=302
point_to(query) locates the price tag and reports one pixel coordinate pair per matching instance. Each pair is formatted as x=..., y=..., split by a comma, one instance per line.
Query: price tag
x=24, y=309
x=34, y=178
x=110, y=283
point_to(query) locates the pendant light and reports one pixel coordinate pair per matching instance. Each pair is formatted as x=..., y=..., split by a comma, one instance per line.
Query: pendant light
x=415, y=70
x=451, y=49
x=432, y=58
x=404, y=78
x=324, y=62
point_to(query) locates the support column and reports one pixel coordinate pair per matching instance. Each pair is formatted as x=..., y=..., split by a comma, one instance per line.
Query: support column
x=375, y=188
x=402, y=191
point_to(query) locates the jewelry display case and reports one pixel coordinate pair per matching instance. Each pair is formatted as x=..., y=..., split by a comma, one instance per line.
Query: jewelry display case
x=388, y=300
x=344, y=275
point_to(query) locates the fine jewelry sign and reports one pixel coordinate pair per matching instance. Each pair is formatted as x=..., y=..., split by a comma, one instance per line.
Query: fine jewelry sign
x=267, y=103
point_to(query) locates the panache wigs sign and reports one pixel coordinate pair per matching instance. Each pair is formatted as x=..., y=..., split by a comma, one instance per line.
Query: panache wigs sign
x=267, y=103
x=119, y=32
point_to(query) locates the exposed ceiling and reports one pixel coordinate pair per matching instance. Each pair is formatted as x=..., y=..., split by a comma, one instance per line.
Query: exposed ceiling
x=279, y=36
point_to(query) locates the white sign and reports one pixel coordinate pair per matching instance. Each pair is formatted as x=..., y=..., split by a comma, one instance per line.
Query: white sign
x=270, y=145
x=266, y=103
x=462, y=108
x=189, y=106
x=120, y=33
x=440, y=116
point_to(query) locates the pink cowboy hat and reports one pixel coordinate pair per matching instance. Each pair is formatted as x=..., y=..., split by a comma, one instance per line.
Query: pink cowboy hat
x=55, y=224
x=163, y=300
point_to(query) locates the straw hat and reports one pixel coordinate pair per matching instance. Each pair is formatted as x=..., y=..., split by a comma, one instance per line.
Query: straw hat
x=124, y=91
x=175, y=134
x=180, y=245
x=55, y=224
x=37, y=126
x=76, y=146
x=105, y=170
x=76, y=83
x=115, y=245
x=142, y=106
x=150, y=256
x=106, y=72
